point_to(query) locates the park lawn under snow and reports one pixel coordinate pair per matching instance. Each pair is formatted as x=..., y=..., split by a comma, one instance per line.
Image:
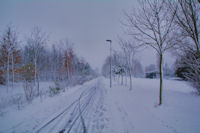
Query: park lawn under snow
x=134, y=111
x=137, y=110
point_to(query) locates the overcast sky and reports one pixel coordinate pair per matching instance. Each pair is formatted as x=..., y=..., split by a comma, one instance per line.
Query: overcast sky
x=86, y=23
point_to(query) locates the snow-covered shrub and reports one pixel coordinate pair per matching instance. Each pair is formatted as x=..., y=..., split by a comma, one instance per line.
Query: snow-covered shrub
x=54, y=90
x=17, y=99
x=29, y=91
x=28, y=76
x=188, y=68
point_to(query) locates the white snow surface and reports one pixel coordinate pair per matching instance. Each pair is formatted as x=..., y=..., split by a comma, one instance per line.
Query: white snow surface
x=112, y=110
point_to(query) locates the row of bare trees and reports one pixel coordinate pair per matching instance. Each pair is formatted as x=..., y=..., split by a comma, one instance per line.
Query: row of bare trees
x=35, y=59
x=165, y=25
x=124, y=65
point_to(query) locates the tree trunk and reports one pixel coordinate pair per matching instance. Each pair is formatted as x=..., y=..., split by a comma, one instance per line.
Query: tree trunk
x=161, y=78
x=126, y=78
x=118, y=78
x=122, y=79
x=13, y=76
x=38, y=85
x=8, y=63
x=130, y=79
x=35, y=75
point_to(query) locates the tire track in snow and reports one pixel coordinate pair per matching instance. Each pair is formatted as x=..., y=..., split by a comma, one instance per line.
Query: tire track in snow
x=73, y=118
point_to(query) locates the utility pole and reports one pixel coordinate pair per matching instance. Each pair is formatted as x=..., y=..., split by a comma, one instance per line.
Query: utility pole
x=110, y=63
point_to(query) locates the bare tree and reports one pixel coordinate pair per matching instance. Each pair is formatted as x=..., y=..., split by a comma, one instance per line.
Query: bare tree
x=9, y=52
x=54, y=58
x=36, y=43
x=187, y=19
x=119, y=66
x=151, y=25
x=129, y=52
x=68, y=58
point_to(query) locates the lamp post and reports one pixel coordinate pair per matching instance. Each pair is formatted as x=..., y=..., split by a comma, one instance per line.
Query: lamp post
x=110, y=63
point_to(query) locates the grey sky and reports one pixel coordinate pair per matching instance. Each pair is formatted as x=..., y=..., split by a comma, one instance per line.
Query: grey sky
x=87, y=23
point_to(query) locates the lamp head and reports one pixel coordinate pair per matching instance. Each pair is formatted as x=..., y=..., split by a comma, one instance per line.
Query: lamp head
x=109, y=41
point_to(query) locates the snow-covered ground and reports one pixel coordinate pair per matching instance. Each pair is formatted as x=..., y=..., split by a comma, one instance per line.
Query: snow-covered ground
x=137, y=110
x=14, y=95
x=96, y=108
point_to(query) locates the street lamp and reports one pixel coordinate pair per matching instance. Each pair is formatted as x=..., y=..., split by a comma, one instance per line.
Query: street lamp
x=110, y=63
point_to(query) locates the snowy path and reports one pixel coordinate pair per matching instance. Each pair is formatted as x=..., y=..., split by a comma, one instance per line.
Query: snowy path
x=83, y=115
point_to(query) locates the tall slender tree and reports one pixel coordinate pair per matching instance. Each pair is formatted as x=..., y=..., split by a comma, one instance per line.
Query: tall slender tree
x=129, y=51
x=35, y=46
x=151, y=25
x=10, y=53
